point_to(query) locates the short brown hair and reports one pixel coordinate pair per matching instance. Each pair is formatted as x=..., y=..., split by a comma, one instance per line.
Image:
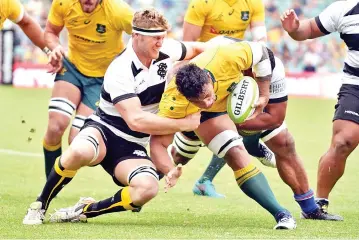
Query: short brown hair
x=150, y=18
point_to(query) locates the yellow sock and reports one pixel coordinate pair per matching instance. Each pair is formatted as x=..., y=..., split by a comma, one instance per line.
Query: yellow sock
x=243, y=174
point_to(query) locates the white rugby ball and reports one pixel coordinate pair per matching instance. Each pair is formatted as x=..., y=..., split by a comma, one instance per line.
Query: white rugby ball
x=241, y=99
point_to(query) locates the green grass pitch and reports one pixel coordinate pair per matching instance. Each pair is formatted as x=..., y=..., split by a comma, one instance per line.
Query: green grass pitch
x=177, y=214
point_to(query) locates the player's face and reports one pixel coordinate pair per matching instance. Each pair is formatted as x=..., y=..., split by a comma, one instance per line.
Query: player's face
x=207, y=98
x=89, y=5
x=152, y=45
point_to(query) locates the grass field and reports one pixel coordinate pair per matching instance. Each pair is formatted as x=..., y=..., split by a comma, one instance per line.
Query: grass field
x=177, y=214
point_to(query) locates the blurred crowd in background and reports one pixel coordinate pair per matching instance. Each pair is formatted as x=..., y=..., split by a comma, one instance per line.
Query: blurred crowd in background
x=321, y=55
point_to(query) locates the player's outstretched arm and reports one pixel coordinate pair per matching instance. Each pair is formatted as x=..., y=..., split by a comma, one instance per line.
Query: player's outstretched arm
x=159, y=154
x=146, y=122
x=33, y=30
x=300, y=30
x=162, y=160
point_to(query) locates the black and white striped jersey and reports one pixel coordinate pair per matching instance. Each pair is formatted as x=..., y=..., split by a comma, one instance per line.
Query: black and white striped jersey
x=127, y=77
x=343, y=17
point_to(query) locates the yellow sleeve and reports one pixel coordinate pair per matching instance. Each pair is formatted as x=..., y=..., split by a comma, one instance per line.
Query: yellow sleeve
x=56, y=14
x=197, y=12
x=15, y=10
x=123, y=15
x=258, y=11
x=173, y=104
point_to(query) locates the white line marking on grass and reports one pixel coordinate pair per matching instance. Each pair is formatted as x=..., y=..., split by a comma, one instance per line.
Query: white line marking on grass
x=18, y=153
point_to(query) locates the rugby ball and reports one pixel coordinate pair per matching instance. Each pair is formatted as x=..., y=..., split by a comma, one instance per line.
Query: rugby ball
x=241, y=100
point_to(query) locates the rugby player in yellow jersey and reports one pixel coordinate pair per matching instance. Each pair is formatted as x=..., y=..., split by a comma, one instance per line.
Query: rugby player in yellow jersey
x=203, y=85
x=204, y=20
x=14, y=11
x=95, y=30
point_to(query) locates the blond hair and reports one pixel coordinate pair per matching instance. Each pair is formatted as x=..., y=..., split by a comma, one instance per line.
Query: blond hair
x=150, y=18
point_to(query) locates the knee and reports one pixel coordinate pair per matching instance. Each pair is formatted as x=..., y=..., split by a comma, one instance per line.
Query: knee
x=284, y=147
x=178, y=158
x=75, y=158
x=237, y=157
x=57, y=125
x=146, y=190
x=342, y=145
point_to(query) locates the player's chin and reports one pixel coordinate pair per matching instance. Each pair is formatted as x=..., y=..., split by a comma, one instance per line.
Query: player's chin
x=88, y=8
x=155, y=54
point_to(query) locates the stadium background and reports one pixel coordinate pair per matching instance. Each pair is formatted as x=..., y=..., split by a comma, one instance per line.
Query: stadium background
x=323, y=56
x=312, y=70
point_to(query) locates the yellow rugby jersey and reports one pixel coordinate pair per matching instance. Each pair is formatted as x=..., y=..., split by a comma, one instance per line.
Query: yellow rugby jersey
x=10, y=9
x=225, y=65
x=224, y=17
x=94, y=38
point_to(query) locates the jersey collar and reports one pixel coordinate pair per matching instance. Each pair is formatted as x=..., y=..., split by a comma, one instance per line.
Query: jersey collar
x=211, y=74
x=231, y=2
x=135, y=59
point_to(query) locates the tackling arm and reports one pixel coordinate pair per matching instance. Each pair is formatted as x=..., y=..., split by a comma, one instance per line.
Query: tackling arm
x=146, y=122
x=272, y=118
x=263, y=65
x=159, y=154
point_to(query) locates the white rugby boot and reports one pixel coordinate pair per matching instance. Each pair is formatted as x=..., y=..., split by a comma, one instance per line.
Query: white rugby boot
x=73, y=213
x=286, y=221
x=35, y=214
x=269, y=157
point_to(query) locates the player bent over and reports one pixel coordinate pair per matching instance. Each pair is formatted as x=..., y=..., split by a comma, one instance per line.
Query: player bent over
x=203, y=85
x=278, y=139
x=116, y=135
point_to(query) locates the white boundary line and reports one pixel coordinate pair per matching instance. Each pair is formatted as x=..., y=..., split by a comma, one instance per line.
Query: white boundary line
x=19, y=153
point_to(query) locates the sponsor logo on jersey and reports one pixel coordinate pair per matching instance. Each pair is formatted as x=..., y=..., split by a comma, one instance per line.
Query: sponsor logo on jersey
x=230, y=13
x=225, y=31
x=87, y=21
x=213, y=30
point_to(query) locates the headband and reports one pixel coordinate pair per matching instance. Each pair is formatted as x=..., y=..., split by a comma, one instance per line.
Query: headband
x=148, y=32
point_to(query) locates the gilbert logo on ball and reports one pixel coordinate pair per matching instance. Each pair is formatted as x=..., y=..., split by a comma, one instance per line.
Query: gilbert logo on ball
x=240, y=101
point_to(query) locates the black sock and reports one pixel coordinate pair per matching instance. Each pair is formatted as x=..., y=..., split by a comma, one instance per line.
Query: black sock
x=121, y=201
x=51, y=153
x=57, y=179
